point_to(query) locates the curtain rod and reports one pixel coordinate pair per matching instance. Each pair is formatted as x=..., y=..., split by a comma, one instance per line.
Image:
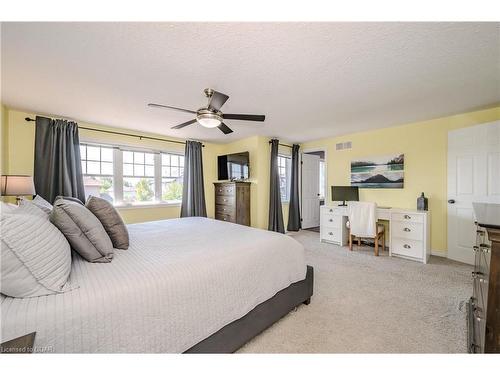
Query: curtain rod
x=282, y=144
x=127, y=134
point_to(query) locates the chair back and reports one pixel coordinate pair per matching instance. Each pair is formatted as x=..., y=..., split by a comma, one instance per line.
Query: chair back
x=363, y=219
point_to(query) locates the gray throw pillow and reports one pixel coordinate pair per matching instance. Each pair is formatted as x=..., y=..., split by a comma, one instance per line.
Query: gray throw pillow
x=110, y=220
x=83, y=230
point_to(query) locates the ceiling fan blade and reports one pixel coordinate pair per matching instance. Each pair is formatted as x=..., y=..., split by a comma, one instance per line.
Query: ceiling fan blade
x=224, y=128
x=217, y=100
x=180, y=126
x=170, y=107
x=235, y=116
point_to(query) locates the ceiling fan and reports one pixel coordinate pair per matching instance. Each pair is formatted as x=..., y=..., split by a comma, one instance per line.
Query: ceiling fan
x=211, y=116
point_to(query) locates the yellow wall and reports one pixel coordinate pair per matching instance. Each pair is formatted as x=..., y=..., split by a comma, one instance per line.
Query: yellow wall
x=3, y=139
x=260, y=159
x=425, y=147
x=18, y=156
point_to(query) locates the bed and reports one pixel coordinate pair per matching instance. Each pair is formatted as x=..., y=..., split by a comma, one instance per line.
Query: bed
x=184, y=285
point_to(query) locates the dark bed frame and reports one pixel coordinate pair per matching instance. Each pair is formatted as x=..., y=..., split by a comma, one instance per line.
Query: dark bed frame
x=234, y=335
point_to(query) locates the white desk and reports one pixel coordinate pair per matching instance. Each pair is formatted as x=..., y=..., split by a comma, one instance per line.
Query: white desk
x=408, y=237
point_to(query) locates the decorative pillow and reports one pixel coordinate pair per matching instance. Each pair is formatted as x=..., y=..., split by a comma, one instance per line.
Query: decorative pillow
x=35, y=256
x=42, y=204
x=73, y=199
x=29, y=208
x=110, y=220
x=83, y=230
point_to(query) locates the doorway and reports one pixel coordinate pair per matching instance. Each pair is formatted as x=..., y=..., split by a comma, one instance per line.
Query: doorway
x=313, y=187
x=473, y=176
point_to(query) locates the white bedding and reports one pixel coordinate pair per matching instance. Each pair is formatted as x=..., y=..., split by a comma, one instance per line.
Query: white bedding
x=180, y=281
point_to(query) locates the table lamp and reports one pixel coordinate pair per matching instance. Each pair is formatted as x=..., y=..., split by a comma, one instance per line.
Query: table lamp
x=17, y=185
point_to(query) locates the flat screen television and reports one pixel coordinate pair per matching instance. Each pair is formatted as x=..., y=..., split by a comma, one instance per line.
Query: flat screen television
x=233, y=166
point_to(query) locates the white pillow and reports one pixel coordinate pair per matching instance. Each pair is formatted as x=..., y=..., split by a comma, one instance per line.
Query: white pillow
x=42, y=204
x=35, y=255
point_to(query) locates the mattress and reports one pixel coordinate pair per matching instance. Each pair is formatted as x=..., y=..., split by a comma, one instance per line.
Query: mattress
x=180, y=281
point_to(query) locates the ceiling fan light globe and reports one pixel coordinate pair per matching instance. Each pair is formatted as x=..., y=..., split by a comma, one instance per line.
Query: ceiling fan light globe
x=209, y=120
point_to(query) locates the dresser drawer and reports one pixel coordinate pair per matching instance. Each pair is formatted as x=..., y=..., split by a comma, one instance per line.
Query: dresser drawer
x=407, y=247
x=224, y=209
x=407, y=230
x=412, y=218
x=332, y=221
x=225, y=217
x=223, y=189
x=330, y=234
x=224, y=199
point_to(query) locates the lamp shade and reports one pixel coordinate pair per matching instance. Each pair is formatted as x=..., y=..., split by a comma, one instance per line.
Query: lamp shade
x=17, y=185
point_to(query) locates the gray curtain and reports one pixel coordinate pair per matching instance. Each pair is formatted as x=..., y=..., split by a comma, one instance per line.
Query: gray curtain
x=193, y=194
x=58, y=166
x=275, y=212
x=294, y=223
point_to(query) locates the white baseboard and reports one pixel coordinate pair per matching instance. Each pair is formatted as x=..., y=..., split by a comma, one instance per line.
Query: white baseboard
x=440, y=253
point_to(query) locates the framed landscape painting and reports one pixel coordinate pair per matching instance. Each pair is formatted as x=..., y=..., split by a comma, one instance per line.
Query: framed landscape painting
x=381, y=172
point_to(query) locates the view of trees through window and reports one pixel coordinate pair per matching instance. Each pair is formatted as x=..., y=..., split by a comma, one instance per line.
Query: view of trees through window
x=172, y=171
x=138, y=178
x=284, y=164
x=97, y=170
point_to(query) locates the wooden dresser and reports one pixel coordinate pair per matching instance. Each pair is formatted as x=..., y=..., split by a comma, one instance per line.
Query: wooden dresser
x=232, y=202
x=484, y=306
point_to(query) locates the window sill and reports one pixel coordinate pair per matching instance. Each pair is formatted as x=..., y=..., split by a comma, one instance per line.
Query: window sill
x=146, y=205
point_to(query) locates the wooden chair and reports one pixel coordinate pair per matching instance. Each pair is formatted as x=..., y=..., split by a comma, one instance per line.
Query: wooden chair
x=362, y=217
x=379, y=237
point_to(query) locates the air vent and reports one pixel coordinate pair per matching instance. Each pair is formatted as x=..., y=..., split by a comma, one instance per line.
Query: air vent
x=343, y=146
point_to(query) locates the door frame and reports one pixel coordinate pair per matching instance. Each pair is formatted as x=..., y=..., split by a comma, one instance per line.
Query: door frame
x=306, y=151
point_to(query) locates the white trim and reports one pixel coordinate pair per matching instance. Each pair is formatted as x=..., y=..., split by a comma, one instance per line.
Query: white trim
x=440, y=253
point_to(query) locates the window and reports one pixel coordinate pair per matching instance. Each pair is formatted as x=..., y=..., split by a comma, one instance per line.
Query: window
x=138, y=176
x=97, y=170
x=172, y=173
x=284, y=169
x=322, y=183
x=126, y=176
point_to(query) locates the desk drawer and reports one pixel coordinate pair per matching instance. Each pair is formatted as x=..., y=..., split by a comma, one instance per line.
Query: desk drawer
x=330, y=234
x=407, y=247
x=412, y=218
x=407, y=230
x=331, y=221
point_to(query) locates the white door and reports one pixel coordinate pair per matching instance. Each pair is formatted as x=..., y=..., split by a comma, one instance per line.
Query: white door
x=310, y=191
x=473, y=176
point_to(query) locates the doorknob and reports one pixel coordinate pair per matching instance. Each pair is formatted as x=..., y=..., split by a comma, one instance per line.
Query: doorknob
x=451, y=201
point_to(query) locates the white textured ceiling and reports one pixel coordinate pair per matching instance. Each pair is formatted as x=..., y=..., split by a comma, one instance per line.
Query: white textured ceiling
x=311, y=80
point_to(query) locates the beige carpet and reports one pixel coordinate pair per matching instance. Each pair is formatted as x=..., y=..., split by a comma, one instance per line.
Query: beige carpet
x=365, y=304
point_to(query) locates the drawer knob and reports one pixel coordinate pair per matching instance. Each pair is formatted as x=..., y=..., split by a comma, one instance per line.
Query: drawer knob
x=407, y=229
x=330, y=233
x=331, y=210
x=331, y=220
x=407, y=246
x=407, y=217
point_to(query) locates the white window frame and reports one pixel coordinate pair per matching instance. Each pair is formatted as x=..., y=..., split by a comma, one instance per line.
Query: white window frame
x=118, y=174
x=288, y=176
